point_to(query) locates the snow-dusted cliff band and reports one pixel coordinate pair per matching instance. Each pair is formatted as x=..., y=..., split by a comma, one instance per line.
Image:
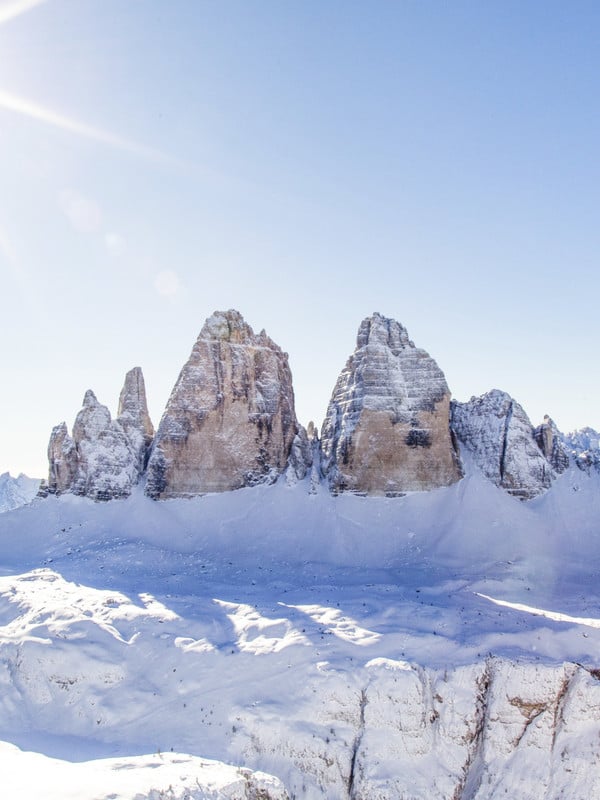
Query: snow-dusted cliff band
x=230, y=423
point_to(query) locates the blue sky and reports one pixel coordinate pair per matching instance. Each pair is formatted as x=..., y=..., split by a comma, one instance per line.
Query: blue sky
x=307, y=163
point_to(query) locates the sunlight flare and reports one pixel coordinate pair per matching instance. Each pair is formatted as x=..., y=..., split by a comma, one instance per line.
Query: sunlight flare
x=10, y=10
x=19, y=105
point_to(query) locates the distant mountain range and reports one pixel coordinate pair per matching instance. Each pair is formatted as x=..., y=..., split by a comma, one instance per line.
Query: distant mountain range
x=15, y=492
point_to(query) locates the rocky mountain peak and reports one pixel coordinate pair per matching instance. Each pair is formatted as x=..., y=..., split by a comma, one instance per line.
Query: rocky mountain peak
x=230, y=421
x=90, y=400
x=380, y=330
x=228, y=326
x=134, y=418
x=550, y=442
x=584, y=448
x=499, y=435
x=387, y=425
x=91, y=420
x=104, y=458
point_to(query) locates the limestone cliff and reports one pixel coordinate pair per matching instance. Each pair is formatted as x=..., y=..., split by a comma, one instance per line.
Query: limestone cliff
x=62, y=460
x=387, y=425
x=498, y=434
x=550, y=442
x=230, y=421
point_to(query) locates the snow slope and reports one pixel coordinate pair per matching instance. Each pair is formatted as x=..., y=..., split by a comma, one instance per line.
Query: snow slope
x=439, y=645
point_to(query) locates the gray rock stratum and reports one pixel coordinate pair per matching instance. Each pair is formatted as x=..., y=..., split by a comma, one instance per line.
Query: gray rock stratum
x=230, y=421
x=387, y=425
x=550, y=442
x=498, y=434
x=104, y=458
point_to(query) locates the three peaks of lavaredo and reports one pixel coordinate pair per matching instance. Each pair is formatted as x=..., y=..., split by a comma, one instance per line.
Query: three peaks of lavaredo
x=402, y=604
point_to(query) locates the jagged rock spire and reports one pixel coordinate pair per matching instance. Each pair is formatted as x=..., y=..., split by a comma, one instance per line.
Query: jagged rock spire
x=387, y=425
x=230, y=421
x=104, y=458
x=549, y=440
x=62, y=460
x=134, y=417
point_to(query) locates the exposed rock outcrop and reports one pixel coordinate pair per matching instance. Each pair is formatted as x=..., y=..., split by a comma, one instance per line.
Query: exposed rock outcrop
x=230, y=421
x=62, y=460
x=104, y=458
x=497, y=432
x=134, y=417
x=584, y=448
x=387, y=425
x=106, y=461
x=305, y=457
x=550, y=442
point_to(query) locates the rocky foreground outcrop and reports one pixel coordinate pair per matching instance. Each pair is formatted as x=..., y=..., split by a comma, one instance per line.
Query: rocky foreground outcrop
x=501, y=440
x=230, y=421
x=104, y=458
x=387, y=425
x=484, y=731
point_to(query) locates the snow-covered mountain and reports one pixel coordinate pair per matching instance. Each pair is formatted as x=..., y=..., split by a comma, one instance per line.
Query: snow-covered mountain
x=584, y=448
x=230, y=422
x=15, y=492
x=326, y=631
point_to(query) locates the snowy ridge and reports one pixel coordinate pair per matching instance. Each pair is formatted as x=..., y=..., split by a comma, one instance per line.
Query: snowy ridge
x=151, y=777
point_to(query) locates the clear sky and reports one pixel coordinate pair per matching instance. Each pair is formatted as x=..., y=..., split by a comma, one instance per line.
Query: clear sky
x=307, y=163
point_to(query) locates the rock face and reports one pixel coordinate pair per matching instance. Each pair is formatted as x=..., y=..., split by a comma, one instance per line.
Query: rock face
x=387, y=425
x=134, y=418
x=305, y=457
x=62, y=460
x=104, y=458
x=550, y=442
x=106, y=461
x=483, y=731
x=230, y=421
x=584, y=448
x=501, y=439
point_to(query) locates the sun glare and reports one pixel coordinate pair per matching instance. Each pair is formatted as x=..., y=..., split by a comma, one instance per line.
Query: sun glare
x=14, y=9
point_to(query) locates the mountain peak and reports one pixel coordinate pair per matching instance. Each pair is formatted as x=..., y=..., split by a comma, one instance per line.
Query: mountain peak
x=228, y=326
x=387, y=425
x=381, y=330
